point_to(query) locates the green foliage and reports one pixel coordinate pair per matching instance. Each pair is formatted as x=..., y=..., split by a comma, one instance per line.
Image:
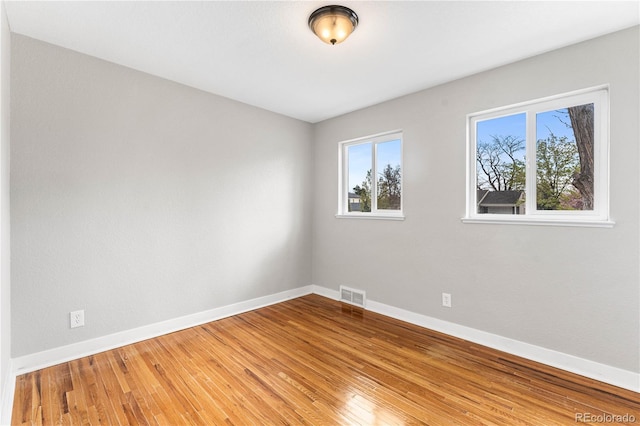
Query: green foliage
x=564, y=167
x=389, y=186
x=364, y=192
x=557, y=162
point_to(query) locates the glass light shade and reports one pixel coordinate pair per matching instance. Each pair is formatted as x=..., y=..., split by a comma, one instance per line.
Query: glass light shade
x=333, y=24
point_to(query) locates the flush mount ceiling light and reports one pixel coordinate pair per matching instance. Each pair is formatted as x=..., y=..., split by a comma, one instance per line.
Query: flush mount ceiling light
x=333, y=24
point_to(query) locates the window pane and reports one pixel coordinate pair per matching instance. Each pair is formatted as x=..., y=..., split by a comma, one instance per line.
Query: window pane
x=389, y=175
x=564, y=159
x=359, y=175
x=500, y=164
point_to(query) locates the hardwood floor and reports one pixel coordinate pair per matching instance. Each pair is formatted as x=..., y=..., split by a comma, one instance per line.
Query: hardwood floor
x=314, y=361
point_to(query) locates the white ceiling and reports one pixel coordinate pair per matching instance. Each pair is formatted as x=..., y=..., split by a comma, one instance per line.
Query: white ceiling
x=263, y=53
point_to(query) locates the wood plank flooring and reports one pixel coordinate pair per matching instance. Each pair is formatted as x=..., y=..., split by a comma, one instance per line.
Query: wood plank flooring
x=313, y=361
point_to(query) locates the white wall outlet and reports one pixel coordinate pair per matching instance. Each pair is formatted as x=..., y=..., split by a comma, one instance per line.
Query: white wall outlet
x=76, y=319
x=446, y=300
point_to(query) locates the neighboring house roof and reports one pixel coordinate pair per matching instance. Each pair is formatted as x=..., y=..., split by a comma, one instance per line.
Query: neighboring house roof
x=498, y=198
x=353, y=195
x=480, y=194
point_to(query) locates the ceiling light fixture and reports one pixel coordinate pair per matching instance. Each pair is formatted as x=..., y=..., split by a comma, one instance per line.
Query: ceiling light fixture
x=333, y=24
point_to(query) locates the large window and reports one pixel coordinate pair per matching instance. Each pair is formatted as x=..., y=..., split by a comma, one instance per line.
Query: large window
x=541, y=162
x=371, y=177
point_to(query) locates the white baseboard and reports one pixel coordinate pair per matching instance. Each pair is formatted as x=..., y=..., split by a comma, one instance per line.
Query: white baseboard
x=36, y=361
x=326, y=292
x=584, y=367
x=8, y=392
x=24, y=364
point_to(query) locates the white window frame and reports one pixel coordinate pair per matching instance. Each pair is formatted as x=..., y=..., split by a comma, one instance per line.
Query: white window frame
x=343, y=178
x=599, y=216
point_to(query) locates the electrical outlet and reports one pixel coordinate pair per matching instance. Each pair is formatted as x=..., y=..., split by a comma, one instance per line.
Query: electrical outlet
x=446, y=300
x=76, y=319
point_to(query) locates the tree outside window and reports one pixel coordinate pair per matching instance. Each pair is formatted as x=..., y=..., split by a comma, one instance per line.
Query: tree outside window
x=372, y=166
x=541, y=158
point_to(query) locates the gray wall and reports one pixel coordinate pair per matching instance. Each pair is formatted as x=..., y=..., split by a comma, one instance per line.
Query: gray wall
x=574, y=290
x=141, y=200
x=5, y=264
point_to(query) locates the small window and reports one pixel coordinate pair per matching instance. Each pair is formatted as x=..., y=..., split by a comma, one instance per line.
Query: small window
x=371, y=177
x=544, y=161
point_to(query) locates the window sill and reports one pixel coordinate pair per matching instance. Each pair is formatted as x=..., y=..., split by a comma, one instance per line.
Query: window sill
x=398, y=216
x=544, y=221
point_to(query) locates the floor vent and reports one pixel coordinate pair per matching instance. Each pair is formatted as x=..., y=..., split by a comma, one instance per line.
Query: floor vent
x=352, y=296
